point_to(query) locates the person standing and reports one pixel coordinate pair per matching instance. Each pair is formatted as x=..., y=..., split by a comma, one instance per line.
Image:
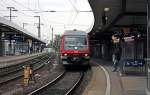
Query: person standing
x=116, y=52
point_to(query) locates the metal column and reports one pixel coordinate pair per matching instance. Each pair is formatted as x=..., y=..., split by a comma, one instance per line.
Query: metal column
x=148, y=46
x=2, y=45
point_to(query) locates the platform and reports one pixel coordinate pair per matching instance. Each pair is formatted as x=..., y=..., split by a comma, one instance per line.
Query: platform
x=126, y=85
x=13, y=60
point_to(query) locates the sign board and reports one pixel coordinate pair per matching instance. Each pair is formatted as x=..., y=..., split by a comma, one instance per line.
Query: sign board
x=129, y=39
x=134, y=63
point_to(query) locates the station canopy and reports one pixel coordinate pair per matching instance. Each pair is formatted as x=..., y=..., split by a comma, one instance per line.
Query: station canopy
x=112, y=15
x=11, y=28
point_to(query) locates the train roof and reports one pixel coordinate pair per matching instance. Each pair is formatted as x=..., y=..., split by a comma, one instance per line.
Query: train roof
x=75, y=32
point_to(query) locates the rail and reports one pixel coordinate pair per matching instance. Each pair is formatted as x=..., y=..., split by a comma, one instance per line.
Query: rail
x=19, y=72
x=49, y=83
x=69, y=92
x=72, y=79
x=17, y=67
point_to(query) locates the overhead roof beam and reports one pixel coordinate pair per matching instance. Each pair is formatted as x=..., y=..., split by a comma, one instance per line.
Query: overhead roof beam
x=118, y=17
x=135, y=13
x=124, y=3
x=123, y=13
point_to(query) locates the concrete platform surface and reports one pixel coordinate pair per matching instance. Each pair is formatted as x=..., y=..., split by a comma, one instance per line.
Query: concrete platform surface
x=12, y=60
x=134, y=85
x=120, y=85
x=97, y=85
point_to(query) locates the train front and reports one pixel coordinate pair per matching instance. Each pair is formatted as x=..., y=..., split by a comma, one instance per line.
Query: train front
x=75, y=48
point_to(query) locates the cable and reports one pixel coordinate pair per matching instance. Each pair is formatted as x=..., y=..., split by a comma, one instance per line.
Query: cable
x=22, y=5
x=78, y=25
x=75, y=18
x=17, y=11
x=25, y=14
x=73, y=5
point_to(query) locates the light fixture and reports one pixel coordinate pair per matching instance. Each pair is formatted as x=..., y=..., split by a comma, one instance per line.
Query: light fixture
x=106, y=9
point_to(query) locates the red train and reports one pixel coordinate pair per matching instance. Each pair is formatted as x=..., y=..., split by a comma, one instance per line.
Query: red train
x=75, y=48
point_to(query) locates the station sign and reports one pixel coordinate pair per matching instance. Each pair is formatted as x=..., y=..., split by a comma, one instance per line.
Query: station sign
x=134, y=63
x=129, y=39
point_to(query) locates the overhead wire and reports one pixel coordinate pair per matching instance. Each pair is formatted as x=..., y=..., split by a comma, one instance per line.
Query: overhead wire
x=40, y=11
x=54, y=22
x=19, y=11
x=20, y=4
x=75, y=11
x=73, y=5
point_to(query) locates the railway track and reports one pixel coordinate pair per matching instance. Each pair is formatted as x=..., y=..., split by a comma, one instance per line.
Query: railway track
x=18, y=72
x=6, y=70
x=64, y=84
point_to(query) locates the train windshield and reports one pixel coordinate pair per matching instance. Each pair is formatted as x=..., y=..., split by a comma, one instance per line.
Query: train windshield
x=75, y=42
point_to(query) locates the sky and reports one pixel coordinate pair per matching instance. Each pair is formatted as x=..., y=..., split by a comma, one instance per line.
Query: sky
x=68, y=15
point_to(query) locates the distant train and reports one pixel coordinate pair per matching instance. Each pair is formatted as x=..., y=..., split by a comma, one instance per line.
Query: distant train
x=75, y=48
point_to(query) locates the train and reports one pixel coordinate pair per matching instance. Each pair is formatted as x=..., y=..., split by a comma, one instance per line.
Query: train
x=74, y=48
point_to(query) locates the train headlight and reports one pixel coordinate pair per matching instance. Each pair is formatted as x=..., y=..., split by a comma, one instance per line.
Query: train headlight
x=65, y=54
x=86, y=54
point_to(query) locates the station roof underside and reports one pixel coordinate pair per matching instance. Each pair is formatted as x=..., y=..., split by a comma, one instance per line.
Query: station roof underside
x=10, y=27
x=119, y=14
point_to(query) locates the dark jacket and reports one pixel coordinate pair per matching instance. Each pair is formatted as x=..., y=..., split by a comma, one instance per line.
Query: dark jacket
x=117, y=51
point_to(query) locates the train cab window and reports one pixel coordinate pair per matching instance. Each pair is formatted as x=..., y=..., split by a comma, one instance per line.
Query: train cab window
x=75, y=42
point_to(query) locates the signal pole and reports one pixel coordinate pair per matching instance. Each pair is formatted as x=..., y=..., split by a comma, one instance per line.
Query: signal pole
x=52, y=35
x=10, y=12
x=39, y=26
